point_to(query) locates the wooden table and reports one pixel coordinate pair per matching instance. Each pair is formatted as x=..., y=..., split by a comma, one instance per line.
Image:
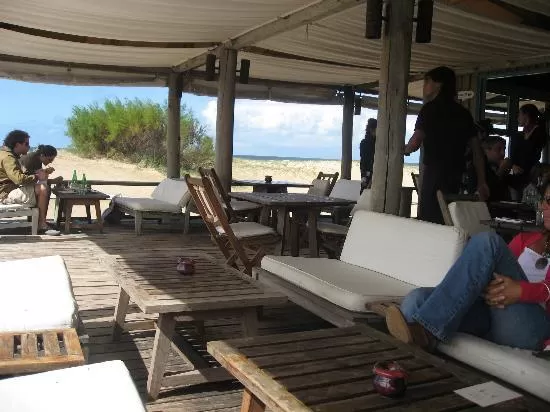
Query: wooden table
x=331, y=370
x=514, y=225
x=301, y=204
x=512, y=209
x=275, y=186
x=151, y=281
x=67, y=198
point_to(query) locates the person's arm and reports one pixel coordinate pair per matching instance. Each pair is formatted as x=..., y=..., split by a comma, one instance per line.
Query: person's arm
x=535, y=292
x=414, y=142
x=15, y=174
x=479, y=164
x=363, y=158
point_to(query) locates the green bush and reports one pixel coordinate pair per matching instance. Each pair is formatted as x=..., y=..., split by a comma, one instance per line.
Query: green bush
x=135, y=131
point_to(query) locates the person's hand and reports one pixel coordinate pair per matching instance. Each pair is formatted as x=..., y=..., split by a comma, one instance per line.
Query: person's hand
x=49, y=170
x=41, y=174
x=502, y=291
x=483, y=192
x=58, y=179
x=516, y=170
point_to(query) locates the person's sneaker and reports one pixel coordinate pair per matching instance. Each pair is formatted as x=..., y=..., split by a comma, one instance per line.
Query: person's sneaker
x=410, y=333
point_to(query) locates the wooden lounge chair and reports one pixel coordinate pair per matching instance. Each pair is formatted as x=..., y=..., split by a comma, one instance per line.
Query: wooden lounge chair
x=239, y=242
x=237, y=210
x=169, y=200
x=464, y=211
x=323, y=184
x=40, y=328
x=9, y=212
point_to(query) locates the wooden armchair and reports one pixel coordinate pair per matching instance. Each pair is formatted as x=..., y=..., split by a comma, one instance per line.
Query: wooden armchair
x=237, y=210
x=331, y=177
x=464, y=211
x=240, y=242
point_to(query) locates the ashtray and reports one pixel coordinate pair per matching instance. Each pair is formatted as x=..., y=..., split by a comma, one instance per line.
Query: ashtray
x=185, y=266
x=389, y=379
x=268, y=179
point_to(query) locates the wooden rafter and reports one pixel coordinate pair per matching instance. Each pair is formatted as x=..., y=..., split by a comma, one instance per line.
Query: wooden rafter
x=103, y=41
x=305, y=15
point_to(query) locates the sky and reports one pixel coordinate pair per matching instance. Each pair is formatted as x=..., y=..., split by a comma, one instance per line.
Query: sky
x=262, y=128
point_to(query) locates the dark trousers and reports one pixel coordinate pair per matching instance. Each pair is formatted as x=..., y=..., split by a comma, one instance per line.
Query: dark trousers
x=434, y=179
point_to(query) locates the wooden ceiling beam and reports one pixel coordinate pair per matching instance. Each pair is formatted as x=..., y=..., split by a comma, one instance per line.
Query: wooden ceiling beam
x=46, y=34
x=305, y=15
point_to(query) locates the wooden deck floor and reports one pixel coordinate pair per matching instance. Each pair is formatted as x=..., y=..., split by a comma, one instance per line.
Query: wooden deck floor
x=96, y=293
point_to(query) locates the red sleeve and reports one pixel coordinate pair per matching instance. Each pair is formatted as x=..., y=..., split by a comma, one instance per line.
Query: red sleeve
x=534, y=292
x=517, y=245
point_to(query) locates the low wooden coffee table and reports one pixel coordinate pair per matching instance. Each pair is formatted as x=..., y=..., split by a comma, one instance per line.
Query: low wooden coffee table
x=68, y=198
x=331, y=370
x=151, y=281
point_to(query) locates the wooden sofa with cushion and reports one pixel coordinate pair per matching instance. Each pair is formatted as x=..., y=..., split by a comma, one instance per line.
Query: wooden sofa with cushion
x=10, y=213
x=384, y=257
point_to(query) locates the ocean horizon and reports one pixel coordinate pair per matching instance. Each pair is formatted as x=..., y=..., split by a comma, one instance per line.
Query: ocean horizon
x=254, y=157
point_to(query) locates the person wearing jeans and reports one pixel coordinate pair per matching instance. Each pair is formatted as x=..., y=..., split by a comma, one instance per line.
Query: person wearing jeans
x=494, y=291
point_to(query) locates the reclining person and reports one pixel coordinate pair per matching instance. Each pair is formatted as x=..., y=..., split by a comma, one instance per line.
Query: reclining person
x=16, y=187
x=494, y=291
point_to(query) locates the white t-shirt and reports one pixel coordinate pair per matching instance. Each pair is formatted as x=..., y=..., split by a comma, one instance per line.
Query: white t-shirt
x=527, y=260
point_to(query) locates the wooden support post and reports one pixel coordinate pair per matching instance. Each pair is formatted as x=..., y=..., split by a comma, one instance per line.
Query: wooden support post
x=392, y=111
x=512, y=118
x=546, y=150
x=472, y=82
x=347, y=133
x=173, y=139
x=226, y=117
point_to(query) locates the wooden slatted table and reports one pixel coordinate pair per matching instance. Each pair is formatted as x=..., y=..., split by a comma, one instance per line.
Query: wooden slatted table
x=151, y=281
x=39, y=351
x=331, y=370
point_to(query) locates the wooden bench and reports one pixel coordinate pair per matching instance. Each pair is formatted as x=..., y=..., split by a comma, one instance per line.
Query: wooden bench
x=39, y=351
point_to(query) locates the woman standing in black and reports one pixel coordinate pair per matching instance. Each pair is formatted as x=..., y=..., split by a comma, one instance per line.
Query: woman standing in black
x=445, y=128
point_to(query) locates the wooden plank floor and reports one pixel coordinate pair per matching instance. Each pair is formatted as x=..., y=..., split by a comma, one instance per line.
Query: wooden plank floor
x=96, y=293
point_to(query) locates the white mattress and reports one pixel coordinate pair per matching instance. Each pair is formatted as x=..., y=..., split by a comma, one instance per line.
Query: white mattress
x=515, y=366
x=345, y=285
x=146, y=204
x=100, y=387
x=36, y=294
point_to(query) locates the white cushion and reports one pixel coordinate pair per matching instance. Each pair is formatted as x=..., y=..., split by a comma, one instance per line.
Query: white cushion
x=319, y=187
x=345, y=285
x=243, y=205
x=467, y=216
x=13, y=207
x=105, y=387
x=346, y=189
x=145, y=204
x=332, y=228
x=364, y=202
x=409, y=250
x=515, y=366
x=244, y=230
x=36, y=294
x=173, y=191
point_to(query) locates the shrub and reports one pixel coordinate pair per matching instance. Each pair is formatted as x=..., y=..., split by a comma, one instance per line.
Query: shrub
x=135, y=131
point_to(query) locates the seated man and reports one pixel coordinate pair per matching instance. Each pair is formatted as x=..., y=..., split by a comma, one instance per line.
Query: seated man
x=17, y=187
x=496, y=168
x=43, y=155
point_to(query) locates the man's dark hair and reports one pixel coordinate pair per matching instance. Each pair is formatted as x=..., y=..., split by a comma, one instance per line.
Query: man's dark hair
x=46, y=150
x=14, y=137
x=447, y=78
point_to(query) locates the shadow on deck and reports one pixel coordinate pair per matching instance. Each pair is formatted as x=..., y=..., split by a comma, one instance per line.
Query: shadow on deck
x=97, y=292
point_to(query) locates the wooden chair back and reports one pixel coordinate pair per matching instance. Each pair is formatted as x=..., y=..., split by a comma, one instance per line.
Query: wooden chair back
x=416, y=182
x=222, y=195
x=444, y=200
x=215, y=218
x=331, y=177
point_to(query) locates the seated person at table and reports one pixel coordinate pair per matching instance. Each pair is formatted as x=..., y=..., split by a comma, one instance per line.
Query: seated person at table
x=16, y=187
x=44, y=155
x=494, y=148
x=538, y=174
x=494, y=291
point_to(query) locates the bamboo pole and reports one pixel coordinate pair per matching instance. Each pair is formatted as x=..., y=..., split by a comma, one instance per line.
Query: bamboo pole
x=347, y=133
x=173, y=138
x=226, y=117
x=392, y=112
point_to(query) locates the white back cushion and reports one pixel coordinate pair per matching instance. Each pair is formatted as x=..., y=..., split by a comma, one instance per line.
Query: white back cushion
x=320, y=187
x=364, y=202
x=346, y=189
x=409, y=250
x=467, y=216
x=172, y=191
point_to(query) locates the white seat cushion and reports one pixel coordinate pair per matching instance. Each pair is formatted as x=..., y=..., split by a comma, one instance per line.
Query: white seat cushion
x=145, y=204
x=243, y=230
x=515, y=366
x=332, y=228
x=173, y=191
x=364, y=202
x=243, y=205
x=345, y=285
x=467, y=216
x=36, y=294
x=346, y=189
x=105, y=387
x=409, y=250
x=13, y=207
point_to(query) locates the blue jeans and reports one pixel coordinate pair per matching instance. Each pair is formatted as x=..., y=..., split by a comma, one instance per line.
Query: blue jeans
x=456, y=305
